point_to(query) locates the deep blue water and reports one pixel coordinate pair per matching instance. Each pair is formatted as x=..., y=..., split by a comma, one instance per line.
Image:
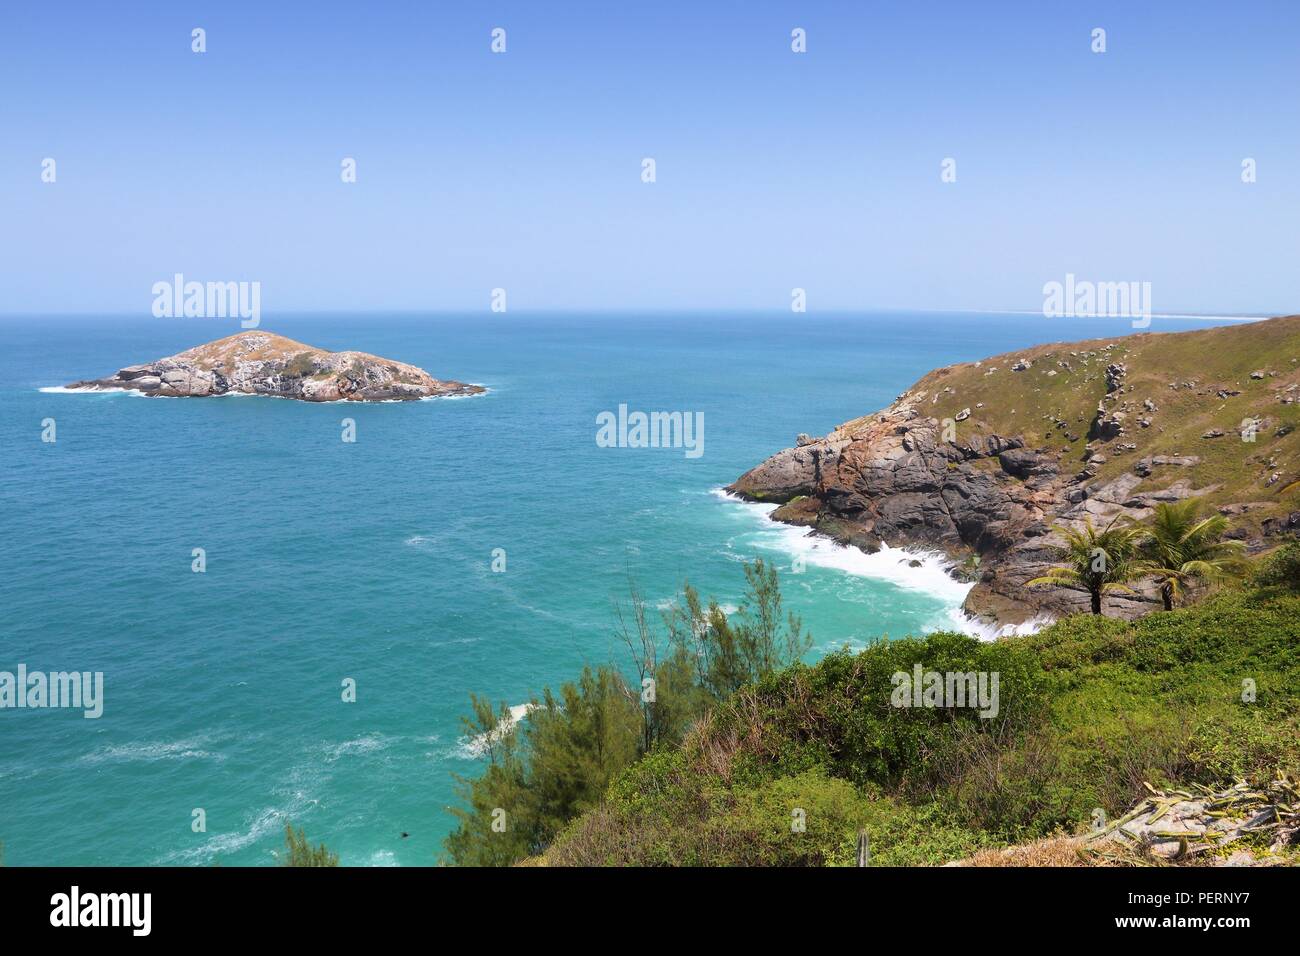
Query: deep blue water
x=371, y=560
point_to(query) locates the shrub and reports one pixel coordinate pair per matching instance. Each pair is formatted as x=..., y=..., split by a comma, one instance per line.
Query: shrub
x=1091, y=710
x=299, y=852
x=1281, y=568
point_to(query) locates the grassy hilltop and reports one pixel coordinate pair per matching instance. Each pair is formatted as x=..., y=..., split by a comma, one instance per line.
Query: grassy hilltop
x=1199, y=382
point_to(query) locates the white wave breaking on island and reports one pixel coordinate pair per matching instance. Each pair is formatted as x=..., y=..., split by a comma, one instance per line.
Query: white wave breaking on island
x=64, y=390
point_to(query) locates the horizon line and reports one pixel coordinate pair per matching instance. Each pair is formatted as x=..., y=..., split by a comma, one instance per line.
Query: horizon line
x=1250, y=316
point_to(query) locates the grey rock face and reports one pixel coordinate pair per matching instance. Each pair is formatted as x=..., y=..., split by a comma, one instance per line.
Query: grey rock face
x=1026, y=463
x=891, y=478
x=260, y=363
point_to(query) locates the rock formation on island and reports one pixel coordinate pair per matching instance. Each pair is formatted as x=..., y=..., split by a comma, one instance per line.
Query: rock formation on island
x=261, y=363
x=981, y=460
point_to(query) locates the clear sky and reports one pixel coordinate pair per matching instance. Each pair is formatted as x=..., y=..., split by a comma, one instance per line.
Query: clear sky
x=522, y=170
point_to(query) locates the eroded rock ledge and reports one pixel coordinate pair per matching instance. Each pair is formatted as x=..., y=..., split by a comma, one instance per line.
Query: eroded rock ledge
x=890, y=478
x=261, y=363
x=981, y=460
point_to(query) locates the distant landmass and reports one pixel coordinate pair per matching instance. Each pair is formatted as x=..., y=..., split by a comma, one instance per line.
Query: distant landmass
x=981, y=459
x=262, y=363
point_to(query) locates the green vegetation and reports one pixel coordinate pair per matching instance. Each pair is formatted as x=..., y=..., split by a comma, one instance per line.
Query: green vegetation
x=1097, y=560
x=1178, y=549
x=1182, y=548
x=559, y=762
x=1282, y=569
x=299, y=852
x=787, y=769
x=300, y=366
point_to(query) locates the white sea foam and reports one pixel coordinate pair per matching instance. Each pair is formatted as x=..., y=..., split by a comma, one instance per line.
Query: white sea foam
x=911, y=569
x=220, y=844
x=64, y=390
x=908, y=568
x=191, y=749
x=295, y=802
x=667, y=604
x=365, y=744
x=474, y=747
x=959, y=620
x=262, y=824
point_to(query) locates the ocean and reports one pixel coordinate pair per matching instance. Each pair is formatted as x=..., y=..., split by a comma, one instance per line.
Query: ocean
x=372, y=561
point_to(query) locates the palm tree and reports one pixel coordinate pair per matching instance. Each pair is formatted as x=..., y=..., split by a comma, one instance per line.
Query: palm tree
x=1181, y=547
x=1097, y=560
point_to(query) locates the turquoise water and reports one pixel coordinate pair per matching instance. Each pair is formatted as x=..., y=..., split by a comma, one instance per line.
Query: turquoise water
x=372, y=560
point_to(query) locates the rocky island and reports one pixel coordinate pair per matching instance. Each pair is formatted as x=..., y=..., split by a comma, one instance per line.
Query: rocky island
x=261, y=363
x=983, y=460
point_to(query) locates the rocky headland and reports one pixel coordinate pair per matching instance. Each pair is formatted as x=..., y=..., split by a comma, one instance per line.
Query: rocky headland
x=261, y=363
x=981, y=460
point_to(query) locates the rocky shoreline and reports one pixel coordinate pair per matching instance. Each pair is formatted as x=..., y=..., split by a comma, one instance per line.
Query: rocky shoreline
x=947, y=468
x=890, y=479
x=261, y=363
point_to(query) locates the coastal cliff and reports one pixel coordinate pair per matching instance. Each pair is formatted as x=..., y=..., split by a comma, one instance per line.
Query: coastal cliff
x=261, y=363
x=981, y=460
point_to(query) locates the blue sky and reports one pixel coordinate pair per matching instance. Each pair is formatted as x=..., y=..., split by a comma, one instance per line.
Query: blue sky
x=774, y=169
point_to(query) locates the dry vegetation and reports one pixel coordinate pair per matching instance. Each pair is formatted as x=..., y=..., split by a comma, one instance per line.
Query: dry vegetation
x=1199, y=382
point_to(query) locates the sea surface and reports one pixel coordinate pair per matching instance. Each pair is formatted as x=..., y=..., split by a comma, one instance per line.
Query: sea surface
x=372, y=560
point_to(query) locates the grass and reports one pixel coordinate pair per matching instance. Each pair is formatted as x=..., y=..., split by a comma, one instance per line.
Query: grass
x=1031, y=402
